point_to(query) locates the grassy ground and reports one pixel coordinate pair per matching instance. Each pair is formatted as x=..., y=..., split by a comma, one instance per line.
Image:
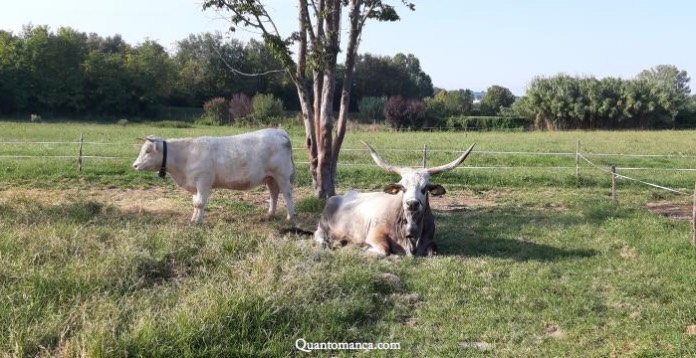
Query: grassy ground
x=532, y=261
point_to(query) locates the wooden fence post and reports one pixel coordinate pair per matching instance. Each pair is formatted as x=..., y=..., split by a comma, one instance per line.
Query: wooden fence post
x=79, y=156
x=425, y=154
x=613, y=184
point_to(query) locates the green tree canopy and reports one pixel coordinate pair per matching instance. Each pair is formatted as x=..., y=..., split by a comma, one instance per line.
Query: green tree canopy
x=496, y=97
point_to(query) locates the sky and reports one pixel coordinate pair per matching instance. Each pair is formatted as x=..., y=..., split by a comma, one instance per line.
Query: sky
x=460, y=43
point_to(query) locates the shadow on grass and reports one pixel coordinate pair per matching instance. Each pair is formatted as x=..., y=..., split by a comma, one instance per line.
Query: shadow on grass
x=498, y=232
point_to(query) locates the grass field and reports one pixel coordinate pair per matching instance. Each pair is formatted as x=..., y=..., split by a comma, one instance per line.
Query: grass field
x=532, y=262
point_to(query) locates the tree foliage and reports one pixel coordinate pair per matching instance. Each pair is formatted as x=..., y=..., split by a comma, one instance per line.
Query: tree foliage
x=377, y=76
x=496, y=97
x=318, y=44
x=450, y=103
x=67, y=72
x=653, y=99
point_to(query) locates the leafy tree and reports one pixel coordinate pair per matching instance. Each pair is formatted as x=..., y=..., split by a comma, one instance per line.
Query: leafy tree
x=372, y=108
x=653, y=99
x=496, y=97
x=318, y=45
x=411, y=65
x=455, y=103
x=153, y=75
x=670, y=86
x=377, y=76
x=202, y=61
x=11, y=92
x=107, y=84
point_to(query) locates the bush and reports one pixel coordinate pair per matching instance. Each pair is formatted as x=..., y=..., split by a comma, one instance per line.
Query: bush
x=487, y=123
x=372, y=108
x=267, y=108
x=401, y=113
x=216, y=112
x=172, y=124
x=240, y=106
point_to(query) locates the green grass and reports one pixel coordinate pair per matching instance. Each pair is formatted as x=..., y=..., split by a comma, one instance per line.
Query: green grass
x=104, y=263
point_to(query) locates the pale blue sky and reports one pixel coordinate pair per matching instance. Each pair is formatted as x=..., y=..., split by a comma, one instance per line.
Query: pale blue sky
x=460, y=43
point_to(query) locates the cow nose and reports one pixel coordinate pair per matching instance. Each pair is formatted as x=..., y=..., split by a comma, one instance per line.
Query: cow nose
x=135, y=166
x=412, y=205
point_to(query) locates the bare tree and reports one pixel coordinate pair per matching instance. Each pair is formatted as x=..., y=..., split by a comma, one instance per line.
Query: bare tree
x=318, y=45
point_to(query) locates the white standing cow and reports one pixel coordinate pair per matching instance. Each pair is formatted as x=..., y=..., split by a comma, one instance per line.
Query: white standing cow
x=240, y=162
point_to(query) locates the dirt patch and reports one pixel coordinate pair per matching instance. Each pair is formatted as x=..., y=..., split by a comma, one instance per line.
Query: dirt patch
x=168, y=201
x=554, y=331
x=459, y=202
x=671, y=210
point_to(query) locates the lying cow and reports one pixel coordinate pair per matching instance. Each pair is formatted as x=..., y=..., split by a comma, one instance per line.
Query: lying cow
x=240, y=162
x=396, y=221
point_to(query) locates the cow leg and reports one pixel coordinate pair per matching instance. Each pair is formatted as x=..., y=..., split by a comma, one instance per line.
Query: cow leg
x=195, y=210
x=378, y=243
x=287, y=195
x=320, y=237
x=199, y=201
x=274, y=190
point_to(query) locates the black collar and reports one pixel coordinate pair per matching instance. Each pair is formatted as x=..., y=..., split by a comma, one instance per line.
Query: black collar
x=163, y=170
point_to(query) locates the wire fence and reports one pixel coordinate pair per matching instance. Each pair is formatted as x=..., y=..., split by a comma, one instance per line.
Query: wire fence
x=580, y=157
x=425, y=152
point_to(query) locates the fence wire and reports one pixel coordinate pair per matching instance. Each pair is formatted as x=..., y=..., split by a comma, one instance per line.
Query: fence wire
x=629, y=178
x=385, y=150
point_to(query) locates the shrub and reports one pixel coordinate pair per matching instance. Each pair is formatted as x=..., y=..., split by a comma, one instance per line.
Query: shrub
x=216, y=112
x=267, y=108
x=401, y=113
x=240, y=106
x=172, y=124
x=372, y=108
x=487, y=123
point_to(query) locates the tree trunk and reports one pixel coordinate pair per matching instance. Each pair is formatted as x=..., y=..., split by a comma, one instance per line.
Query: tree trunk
x=325, y=185
x=308, y=113
x=351, y=54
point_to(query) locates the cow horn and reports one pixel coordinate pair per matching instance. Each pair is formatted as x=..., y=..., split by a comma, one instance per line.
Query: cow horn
x=380, y=162
x=452, y=165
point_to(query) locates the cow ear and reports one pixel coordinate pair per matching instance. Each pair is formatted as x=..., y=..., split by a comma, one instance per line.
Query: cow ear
x=436, y=189
x=393, y=189
x=156, y=142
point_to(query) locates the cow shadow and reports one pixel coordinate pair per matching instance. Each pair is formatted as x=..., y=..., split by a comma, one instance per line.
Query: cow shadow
x=496, y=232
